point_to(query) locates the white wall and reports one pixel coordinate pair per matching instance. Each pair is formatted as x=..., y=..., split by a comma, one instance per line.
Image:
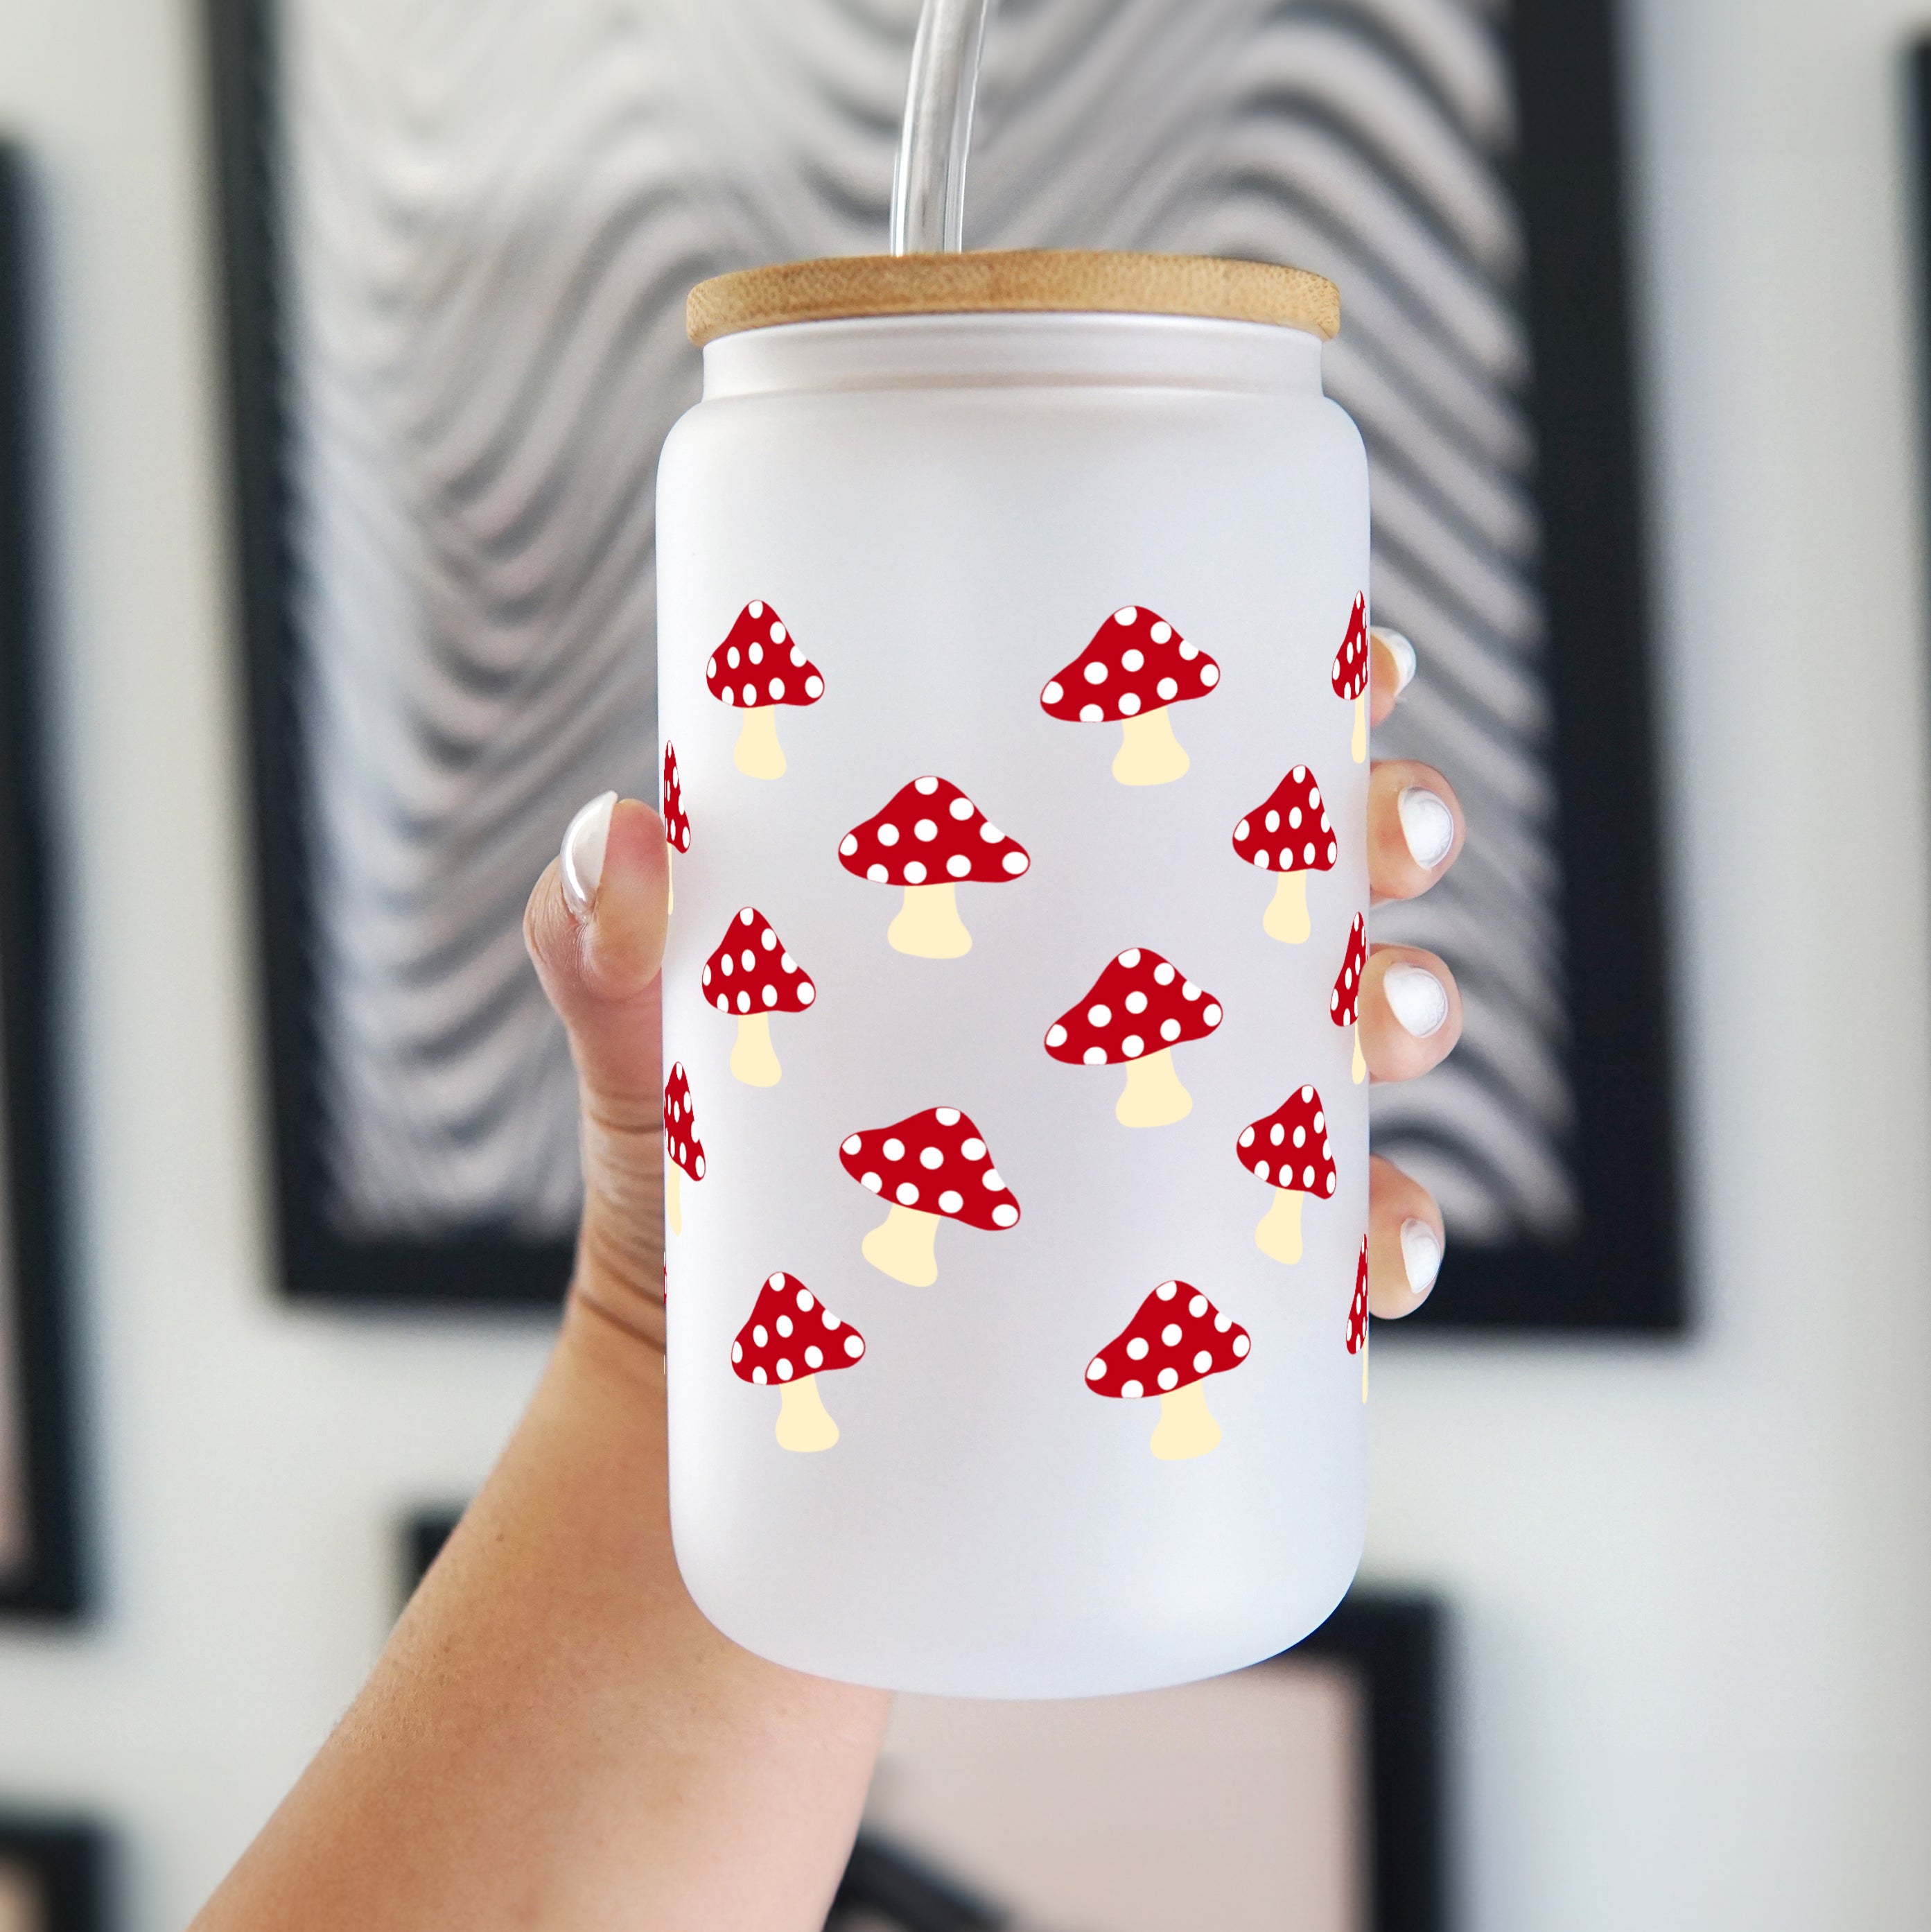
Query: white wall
x=1693, y=1580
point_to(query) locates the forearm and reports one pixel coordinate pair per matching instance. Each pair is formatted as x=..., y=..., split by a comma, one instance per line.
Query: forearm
x=554, y=1735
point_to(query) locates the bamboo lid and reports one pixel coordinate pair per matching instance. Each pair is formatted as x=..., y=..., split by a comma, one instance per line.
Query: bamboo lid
x=1011, y=281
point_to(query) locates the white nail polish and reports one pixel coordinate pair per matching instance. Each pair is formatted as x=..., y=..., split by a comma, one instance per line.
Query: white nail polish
x=1403, y=652
x=581, y=861
x=1421, y=1255
x=1417, y=998
x=1427, y=824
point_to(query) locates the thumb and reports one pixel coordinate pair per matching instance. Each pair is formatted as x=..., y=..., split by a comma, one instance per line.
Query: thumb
x=595, y=927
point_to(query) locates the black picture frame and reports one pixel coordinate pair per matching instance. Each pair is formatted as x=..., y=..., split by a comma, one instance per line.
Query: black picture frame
x=32, y=1275
x=1620, y=1270
x=68, y=1860
x=1392, y=1641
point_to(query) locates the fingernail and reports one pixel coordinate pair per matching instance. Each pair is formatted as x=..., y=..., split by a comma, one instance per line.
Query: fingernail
x=1427, y=824
x=1421, y=1255
x=581, y=861
x=1419, y=1000
x=1403, y=652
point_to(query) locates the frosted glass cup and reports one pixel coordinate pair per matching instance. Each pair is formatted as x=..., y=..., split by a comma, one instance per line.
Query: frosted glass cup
x=1012, y=652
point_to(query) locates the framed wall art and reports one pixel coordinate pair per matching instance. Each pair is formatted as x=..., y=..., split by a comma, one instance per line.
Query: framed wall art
x=39, y=1573
x=52, y=1876
x=459, y=245
x=1308, y=1793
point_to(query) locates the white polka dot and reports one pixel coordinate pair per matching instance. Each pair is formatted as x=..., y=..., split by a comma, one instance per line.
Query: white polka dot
x=1095, y=1056
x=948, y=1116
x=1197, y=1306
x=958, y=864
x=1188, y=991
x=925, y=831
x=894, y=1149
x=1095, y=673
x=731, y=657
x=784, y=1368
x=848, y=845
x=756, y=654
x=1130, y=705
x=1161, y=632
x=925, y=786
x=744, y=1002
x=1168, y=1378
x=852, y=1145
x=874, y=1181
x=1169, y=1030
x=1240, y=833
x=1247, y=1138
x=771, y=996
x=960, y=809
x=905, y=1194
x=1126, y=614
x=1005, y=1214
x=1016, y=863
x=759, y=1377
x=1056, y=1035
x=1222, y=1324
x=737, y=1351
x=1241, y=1345
x=993, y=1181
x=1169, y=1334
x=972, y=1146
x=1096, y=1370
x=1210, y=675
x=1132, y=1391
x=1261, y=1170
x=1099, y=1014
x=815, y=686
x=878, y=875
x=951, y=1201
x=1163, y=973
x=930, y=1158
x=1203, y=1361
x=854, y=1346
x=1166, y=1290
x=1137, y=1348
x=1132, y=1046
x=807, y=992
x=1134, y=1002
x=1052, y=693
x=1211, y=1014
x=1091, y=714
x=783, y=1324
x=1167, y=689
x=814, y=1356
x=760, y=1335
x=914, y=871
x=1300, y=1136
x=888, y=835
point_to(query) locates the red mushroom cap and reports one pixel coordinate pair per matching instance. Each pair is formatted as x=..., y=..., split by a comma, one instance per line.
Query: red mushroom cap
x=1288, y=831
x=929, y=833
x=1289, y=1148
x=761, y=664
x=1178, y=1337
x=791, y=1334
x=677, y=826
x=751, y=973
x=680, y=1124
x=1357, y=1309
x=1350, y=673
x=936, y=1161
x=1139, y=1004
x=1137, y=661
x=1343, y=1001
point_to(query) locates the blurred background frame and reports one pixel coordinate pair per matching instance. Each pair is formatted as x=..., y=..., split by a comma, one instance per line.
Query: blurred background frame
x=1559, y=1101
x=39, y=1567
x=52, y=1876
x=1386, y=1649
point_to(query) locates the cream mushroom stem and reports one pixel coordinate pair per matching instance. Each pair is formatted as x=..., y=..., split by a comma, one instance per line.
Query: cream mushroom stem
x=928, y=926
x=752, y=1059
x=1286, y=917
x=1360, y=1069
x=804, y=1423
x=1279, y=1233
x=1187, y=1426
x=759, y=755
x=1359, y=746
x=1153, y=1096
x=1149, y=752
x=901, y=1245
x=673, y=1202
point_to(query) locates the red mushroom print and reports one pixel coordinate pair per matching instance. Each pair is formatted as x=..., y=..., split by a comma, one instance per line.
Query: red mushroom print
x=1170, y=1348
x=1344, y=1004
x=1350, y=673
x=930, y=837
x=1136, y=666
x=751, y=976
x=1357, y=1316
x=676, y=825
x=683, y=1151
x=930, y=1166
x=1133, y=1015
x=1288, y=833
x=1289, y=1149
x=790, y=1340
x=757, y=668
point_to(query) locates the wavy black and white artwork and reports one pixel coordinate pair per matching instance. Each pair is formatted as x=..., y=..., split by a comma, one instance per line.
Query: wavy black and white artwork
x=478, y=220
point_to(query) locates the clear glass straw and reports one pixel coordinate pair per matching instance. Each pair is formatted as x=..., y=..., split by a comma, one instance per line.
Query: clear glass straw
x=928, y=183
